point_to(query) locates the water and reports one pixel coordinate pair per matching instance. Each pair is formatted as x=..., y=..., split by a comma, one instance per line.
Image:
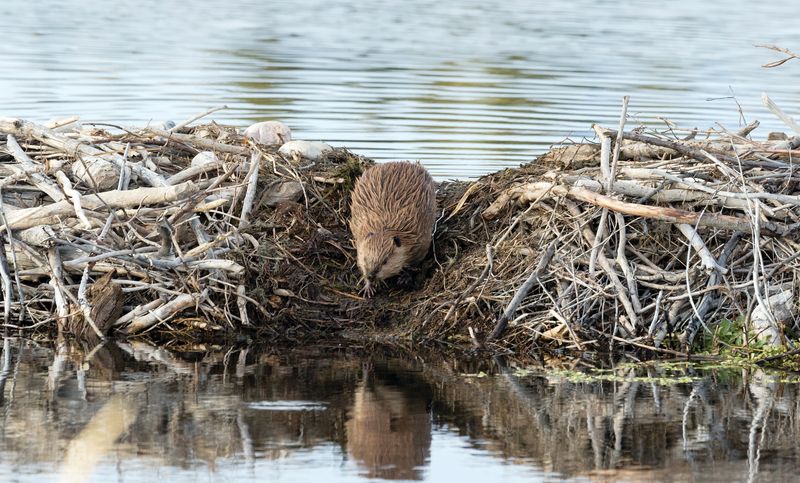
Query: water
x=467, y=87
x=130, y=412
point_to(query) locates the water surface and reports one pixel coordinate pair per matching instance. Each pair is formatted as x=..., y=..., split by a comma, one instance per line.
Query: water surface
x=466, y=86
x=128, y=412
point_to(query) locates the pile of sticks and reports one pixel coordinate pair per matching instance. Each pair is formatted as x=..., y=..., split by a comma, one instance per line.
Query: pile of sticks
x=125, y=228
x=645, y=236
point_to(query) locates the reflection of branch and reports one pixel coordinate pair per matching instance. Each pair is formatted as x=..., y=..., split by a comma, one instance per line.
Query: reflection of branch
x=97, y=438
x=791, y=55
x=6, y=370
x=247, y=440
x=143, y=351
x=764, y=392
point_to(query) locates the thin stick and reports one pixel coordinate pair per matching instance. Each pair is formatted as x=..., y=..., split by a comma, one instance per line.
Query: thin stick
x=241, y=302
x=250, y=194
x=38, y=179
x=522, y=292
x=185, y=123
x=605, y=169
x=85, y=306
x=162, y=313
x=66, y=185
x=787, y=119
x=6, y=278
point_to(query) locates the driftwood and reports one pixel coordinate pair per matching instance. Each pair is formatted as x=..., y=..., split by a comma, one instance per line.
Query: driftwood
x=654, y=235
x=145, y=235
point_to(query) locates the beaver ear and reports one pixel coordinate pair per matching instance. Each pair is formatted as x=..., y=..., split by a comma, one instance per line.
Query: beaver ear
x=396, y=240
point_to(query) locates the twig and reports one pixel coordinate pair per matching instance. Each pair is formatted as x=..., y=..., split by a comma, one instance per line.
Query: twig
x=66, y=185
x=534, y=277
x=164, y=312
x=787, y=119
x=250, y=194
x=791, y=55
x=85, y=306
x=185, y=123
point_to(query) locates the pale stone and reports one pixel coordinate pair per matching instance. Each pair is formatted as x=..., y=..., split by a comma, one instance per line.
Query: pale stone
x=204, y=157
x=312, y=150
x=269, y=132
x=780, y=306
x=282, y=192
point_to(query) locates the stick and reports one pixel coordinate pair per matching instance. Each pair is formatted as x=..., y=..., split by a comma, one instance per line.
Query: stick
x=708, y=260
x=623, y=263
x=241, y=302
x=138, y=311
x=605, y=169
x=162, y=313
x=85, y=306
x=618, y=143
x=185, y=123
x=6, y=278
x=29, y=166
x=522, y=292
x=199, y=142
x=66, y=185
x=10, y=238
x=30, y=217
x=193, y=171
x=56, y=275
x=622, y=295
x=531, y=191
x=666, y=143
x=250, y=194
x=787, y=119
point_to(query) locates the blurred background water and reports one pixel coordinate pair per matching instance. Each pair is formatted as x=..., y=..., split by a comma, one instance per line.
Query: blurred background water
x=467, y=87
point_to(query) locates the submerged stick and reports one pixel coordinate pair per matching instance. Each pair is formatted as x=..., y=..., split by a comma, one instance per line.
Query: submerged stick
x=522, y=292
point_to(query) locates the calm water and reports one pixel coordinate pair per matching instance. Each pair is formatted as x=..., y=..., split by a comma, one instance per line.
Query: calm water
x=466, y=86
x=134, y=413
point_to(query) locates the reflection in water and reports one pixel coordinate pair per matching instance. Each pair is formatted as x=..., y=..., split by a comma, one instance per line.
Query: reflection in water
x=389, y=432
x=97, y=438
x=133, y=412
x=466, y=86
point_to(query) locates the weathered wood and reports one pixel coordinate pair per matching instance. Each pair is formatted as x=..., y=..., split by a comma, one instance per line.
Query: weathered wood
x=30, y=217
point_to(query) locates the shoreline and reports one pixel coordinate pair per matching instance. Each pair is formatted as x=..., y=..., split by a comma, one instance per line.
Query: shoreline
x=218, y=234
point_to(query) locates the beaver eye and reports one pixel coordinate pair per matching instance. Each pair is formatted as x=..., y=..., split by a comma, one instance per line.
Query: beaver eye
x=396, y=240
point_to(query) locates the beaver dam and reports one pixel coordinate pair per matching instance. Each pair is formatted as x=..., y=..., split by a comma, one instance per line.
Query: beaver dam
x=656, y=241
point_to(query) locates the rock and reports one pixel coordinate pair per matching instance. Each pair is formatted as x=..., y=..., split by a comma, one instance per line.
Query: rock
x=269, y=132
x=782, y=307
x=204, y=157
x=777, y=136
x=282, y=192
x=312, y=150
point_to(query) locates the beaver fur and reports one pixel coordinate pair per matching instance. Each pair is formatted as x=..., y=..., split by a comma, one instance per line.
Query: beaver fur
x=393, y=212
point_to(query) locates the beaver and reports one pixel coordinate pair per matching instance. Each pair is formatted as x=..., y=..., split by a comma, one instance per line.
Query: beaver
x=393, y=211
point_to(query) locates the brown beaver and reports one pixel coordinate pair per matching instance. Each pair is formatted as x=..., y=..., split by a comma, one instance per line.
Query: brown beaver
x=392, y=215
